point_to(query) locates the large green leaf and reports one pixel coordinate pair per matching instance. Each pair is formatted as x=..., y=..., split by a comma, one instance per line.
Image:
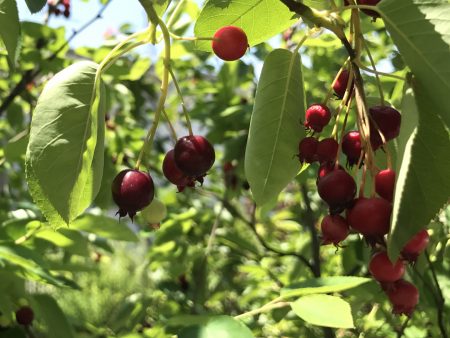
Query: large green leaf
x=72, y=241
x=64, y=160
x=275, y=128
x=421, y=31
x=217, y=327
x=35, y=5
x=324, y=310
x=10, y=29
x=260, y=19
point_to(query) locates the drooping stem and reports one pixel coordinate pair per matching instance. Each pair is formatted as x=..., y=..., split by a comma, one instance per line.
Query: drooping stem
x=265, y=308
x=183, y=106
x=28, y=235
x=173, y=133
x=372, y=62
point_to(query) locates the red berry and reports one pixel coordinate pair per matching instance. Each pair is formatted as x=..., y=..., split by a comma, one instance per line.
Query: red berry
x=66, y=12
x=25, y=315
x=388, y=121
x=317, y=116
x=369, y=12
x=370, y=216
x=174, y=174
x=334, y=229
x=340, y=85
x=307, y=149
x=352, y=147
x=383, y=270
x=404, y=297
x=327, y=150
x=326, y=168
x=132, y=190
x=230, y=43
x=337, y=189
x=194, y=155
x=385, y=184
x=416, y=245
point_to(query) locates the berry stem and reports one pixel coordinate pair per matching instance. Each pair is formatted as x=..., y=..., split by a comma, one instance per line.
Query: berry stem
x=175, y=13
x=190, y=38
x=372, y=62
x=360, y=65
x=265, y=308
x=183, y=106
x=344, y=125
x=173, y=133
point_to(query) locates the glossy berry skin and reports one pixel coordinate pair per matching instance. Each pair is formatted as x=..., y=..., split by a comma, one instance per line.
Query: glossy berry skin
x=327, y=150
x=415, y=246
x=337, y=189
x=385, y=184
x=173, y=174
x=132, y=190
x=307, y=150
x=340, y=85
x=230, y=43
x=25, y=315
x=388, y=121
x=352, y=147
x=369, y=12
x=383, y=270
x=404, y=297
x=326, y=168
x=334, y=229
x=370, y=216
x=194, y=155
x=317, y=116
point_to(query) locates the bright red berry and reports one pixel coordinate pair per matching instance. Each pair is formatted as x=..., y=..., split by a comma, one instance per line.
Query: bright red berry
x=404, y=297
x=174, y=174
x=370, y=216
x=307, y=150
x=132, y=190
x=194, y=155
x=383, y=270
x=352, y=147
x=327, y=150
x=25, y=315
x=337, y=189
x=230, y=43
x=334, y=229
x=385, y=184
x=388, y=121
x=340, y=85
x=416, y=245
x=317, y=116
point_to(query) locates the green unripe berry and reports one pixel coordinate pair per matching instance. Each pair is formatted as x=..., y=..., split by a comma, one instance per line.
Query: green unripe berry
x=155, y=212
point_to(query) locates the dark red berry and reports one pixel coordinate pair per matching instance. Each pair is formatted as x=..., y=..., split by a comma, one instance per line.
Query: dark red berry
x=132, y=190
x=340, y=85
x=369, y=12
x=370, y=216
x=352, y=147
x=194, y=155
x=230, y=43
x=25, y=315
x=404, y=297
x=307, y=150
x=174, y=174
x=334, y=229
x=337, y=189
x=327, y=150
x=385, y=183
x=66, y=12
x=383, y=270
x=416, y=245
x=317, y=116
x=388, y=121
x=326, y=168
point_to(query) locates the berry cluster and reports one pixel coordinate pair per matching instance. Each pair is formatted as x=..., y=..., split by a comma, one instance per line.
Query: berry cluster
x=58, y=7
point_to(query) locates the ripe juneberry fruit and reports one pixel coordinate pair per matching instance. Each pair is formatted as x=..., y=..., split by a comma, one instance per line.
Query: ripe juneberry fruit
x=385, y=183
x=327, y=150
x=132, y=190
x=307, y=150
x=337, y=189
x=326, y=168
x=415, y=246
x=370, y=216
x=369, y=12
x=351, y=146
x=25, y=315
x=383, y=270
x=404, y=297
x=174, y=174
x=340, y=85
x=194, y=155
x=230, y=43
x=334, y=229
x=317, y=116
x=388, y=121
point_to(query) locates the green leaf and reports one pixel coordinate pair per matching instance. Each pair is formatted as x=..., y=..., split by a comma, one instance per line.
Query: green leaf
x=217, y=327
x=159, y=6
x=105, y=227
x=275, y=127
x=10, y=30
x=69, y=240
x=323, y=285
x=56, y=322
x=421, y=31
x=260, y=19
x=64, y=160
x=324, y=310
x=35, y=5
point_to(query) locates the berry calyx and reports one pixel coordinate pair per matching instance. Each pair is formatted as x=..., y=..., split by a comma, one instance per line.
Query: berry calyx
x=194, y=155
x=383, y=270
x=317, y=116
x=337, y=189
x=327, y=150
x=340, y=85
x=173, y=174
x=388, y=121
x=132, y=190
x=385, y=184
x=334, y=229
x=404, y=297
x=370, y=216
x=307, y=150
x=415, y=246
x=351, y=147
x=25, y=316
x=230, y=43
